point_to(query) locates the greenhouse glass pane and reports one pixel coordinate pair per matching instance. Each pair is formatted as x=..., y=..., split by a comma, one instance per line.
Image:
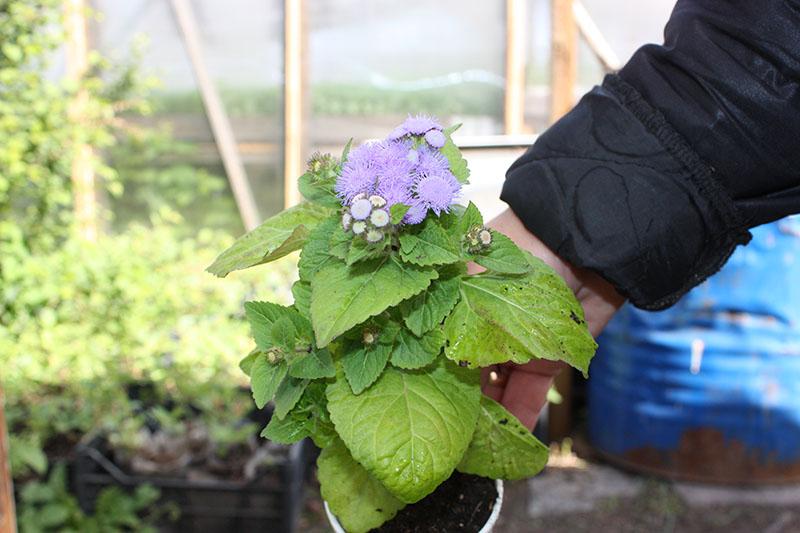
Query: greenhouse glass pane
x=371, y=63
x=242, y=42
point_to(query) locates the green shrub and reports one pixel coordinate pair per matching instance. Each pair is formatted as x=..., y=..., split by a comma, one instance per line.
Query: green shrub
x=82, y=322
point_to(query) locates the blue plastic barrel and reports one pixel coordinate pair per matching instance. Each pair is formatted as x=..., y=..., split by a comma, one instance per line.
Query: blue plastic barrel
x=709, y=389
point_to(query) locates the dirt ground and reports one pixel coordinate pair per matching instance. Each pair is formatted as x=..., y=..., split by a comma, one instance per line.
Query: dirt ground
x=577, y=496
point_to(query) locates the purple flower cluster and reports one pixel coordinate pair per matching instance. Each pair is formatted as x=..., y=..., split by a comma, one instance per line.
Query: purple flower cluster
x=406, y=168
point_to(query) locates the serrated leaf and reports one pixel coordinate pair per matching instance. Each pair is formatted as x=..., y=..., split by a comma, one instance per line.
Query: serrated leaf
x=342, y=296
x=501, y=447
x=265, y=379
x=301, y=290
x=357, y=499
x=262, y=316
x=361, y=250
x=246, y=364
x=313, y=365
x=410, y=428
x=288, y=394
x=426, y=310
x=502, y=318
x=276, y=237
x=346, y=150
x=309, y=418
x=412, y=352
x=470, y=218
x=339, y=243
x=318, y=190
x=503, y=256
x=283, y=333
x=363, y=366
x=316, y=252
x=397, y=212
x=458, y=165
x=430, y=246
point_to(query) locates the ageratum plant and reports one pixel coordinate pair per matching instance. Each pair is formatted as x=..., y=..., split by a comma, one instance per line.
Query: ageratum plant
x=378, y=359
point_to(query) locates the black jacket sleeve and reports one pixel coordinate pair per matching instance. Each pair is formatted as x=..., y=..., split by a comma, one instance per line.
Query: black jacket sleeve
x=655, y=177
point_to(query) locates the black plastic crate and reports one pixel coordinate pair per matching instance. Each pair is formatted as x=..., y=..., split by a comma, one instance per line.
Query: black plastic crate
x=269, y=503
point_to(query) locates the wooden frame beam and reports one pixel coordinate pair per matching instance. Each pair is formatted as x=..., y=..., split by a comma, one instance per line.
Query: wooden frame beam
x=8, y=523
x=595, y=38
x=83, y=175
x=293, y=99
x=516, y=41
x=564, y=58
x=217, y=117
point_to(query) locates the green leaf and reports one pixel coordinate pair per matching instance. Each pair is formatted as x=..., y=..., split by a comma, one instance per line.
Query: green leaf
x=357, y=499
x=426, y=310
x=301, y=290
x=363, y=366
x=283, y=334
x=412, y=352
x=501, y=447
x=397, y=212
x=502, y=318
x=246, y=364
x=265, y=379
x=262, y=316
x=278, y=236
x=313, y=365
x=346, y=150
x=339, y=243
x=503, y=256
x=410, y=428
x=361, y=250
x=288, y=394
x=458, y=165
x=316, y=252
x=309, y=418
x=430, y=246
x=342, y=296
x=318, y=189
x=470, y=218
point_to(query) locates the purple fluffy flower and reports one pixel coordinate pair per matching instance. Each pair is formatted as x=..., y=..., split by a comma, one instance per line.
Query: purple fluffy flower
x=431, y=162
x=435, y=138
x=437, y=192
x=420, y=124
x=398, y=170
x=415, y=214
x=359, y=173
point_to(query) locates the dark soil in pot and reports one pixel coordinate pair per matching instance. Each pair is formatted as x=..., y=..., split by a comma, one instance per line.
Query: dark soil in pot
x=462, y=503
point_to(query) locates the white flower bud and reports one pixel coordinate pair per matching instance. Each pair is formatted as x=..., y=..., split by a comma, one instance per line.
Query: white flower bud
x=359, y=227
x=360, y=209
x=377, y=201
x=379, y=218
x=359, y=196
x=374, y=235
x=486, y=237
x=347, y=219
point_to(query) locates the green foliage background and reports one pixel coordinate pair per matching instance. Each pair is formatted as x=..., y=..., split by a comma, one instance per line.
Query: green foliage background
x=80, y=322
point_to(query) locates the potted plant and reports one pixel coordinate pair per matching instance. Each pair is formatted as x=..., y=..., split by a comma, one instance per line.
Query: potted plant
x=378, y=360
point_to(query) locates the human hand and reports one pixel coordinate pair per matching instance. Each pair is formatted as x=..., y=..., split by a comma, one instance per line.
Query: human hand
x=522, y=389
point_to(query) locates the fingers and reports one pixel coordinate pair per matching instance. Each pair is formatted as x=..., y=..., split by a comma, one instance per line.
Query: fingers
x=522, y=389
x=493, y=381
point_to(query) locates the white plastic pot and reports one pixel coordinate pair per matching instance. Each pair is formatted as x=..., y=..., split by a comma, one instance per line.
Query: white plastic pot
x=487, y=527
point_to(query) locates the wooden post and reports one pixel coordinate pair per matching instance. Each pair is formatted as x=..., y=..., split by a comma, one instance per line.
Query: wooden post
x=83, y=178
x=564, y=59
x=293, y=98
x=515, y=67
x=7, y=516
x=595, y=38
x=220, y=123
x=564, y=73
